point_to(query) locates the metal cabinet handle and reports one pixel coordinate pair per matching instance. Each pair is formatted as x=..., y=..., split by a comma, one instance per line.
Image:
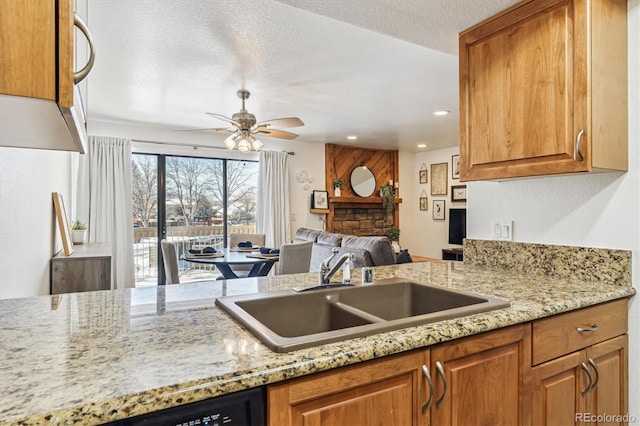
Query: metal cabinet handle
x=578, y=153
x=586, y=370
x=82, y=74
x=444, y=384
x=592, y=363
x=592, y=327
x=427, y=375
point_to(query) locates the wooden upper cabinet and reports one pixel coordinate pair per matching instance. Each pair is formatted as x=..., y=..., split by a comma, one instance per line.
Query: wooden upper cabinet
x=40, y=102
x=543, y=90
x=28, y=57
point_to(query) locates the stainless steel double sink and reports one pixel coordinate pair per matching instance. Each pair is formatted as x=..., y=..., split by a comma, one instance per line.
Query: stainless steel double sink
x=286, y=321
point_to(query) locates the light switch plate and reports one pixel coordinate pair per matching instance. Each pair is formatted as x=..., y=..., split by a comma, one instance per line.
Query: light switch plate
x=502, y=230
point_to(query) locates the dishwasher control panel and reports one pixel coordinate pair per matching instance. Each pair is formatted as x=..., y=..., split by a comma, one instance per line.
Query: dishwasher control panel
x=240, y=408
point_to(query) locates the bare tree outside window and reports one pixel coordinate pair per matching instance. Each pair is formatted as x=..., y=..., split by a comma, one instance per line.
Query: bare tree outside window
x=188, y=181
x=144, y=188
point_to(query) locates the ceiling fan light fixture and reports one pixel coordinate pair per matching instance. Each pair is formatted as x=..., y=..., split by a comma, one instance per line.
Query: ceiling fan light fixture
x=244, y=145
x=256, y=144
x=245, y=126
x=230, y=142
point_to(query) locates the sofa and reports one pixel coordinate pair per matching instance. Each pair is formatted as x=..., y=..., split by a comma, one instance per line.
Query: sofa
x=368, y=251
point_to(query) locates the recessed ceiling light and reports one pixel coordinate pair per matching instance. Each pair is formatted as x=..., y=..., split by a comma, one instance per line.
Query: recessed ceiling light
x=352, y=138
x=441, y=112
x=422, y=145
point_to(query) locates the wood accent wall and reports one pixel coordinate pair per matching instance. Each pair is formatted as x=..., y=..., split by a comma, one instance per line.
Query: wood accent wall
x=340, y=160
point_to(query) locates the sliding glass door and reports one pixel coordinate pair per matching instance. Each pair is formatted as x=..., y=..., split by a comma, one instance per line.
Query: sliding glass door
x=192, y=202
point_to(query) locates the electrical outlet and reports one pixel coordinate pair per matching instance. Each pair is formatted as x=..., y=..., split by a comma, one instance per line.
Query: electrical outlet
x=293, y=217
x=502, y=230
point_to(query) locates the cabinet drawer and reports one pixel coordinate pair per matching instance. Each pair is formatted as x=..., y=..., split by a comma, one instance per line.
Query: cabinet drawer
x=559, y=335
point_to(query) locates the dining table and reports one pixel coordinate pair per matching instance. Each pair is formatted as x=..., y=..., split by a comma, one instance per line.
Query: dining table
x=225, y=258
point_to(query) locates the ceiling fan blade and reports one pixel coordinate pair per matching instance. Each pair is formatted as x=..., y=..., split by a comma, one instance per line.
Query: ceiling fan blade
x=280, y=134
x=223, y=118
x=217, y=129
x=281, y=122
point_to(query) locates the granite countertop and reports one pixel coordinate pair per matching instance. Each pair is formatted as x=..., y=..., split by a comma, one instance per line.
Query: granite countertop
x=87, y=358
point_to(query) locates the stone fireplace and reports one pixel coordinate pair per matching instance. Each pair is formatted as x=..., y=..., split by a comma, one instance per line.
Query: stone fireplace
x=360, y=221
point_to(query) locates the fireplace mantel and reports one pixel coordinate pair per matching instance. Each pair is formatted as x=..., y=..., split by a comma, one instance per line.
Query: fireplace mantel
x=371, y=202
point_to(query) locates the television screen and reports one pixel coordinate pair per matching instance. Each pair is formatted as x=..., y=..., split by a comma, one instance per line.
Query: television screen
x=457, y=225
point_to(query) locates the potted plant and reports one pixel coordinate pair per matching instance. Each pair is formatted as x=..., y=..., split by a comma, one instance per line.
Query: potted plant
x=394, y=235
x=79, y=232
x=388, y=195
x=337, y=185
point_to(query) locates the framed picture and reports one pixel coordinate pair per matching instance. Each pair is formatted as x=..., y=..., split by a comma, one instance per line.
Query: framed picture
x=320, y=200
x=63, y=225
x=438, y=209
x=424, y=203
x=458, y=193
x=455, y=167
x=439, y=179
x=423, y=176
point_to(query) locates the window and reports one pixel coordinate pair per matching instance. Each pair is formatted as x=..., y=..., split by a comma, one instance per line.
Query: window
x=197, y=200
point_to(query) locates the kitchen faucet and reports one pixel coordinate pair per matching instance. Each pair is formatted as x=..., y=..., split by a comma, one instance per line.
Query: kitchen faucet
x=326, y=273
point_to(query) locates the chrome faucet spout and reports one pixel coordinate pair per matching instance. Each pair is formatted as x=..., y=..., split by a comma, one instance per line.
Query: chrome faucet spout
x=326, y=273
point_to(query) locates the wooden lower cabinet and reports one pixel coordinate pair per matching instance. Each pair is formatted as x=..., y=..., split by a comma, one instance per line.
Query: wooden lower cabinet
x=580, y=365
x=486, y=376
x=389, y=391
x=589, y=382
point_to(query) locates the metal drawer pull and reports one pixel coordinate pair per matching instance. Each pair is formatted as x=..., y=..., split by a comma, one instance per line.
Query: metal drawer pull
x=82, y=74
x=595, y=368
x=586, y=370
x=444, y=384
x=592, y=327
x=427, y=375
x=578, y=153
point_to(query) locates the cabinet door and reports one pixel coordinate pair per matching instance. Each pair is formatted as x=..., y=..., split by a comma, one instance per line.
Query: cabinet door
x=556, y=390
x=28, y=48
x=517, y=94
x=486, y=379
x=389, y=392
x=609, y=364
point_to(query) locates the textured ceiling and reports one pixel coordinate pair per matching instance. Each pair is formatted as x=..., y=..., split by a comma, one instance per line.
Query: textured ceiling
x=374, y=68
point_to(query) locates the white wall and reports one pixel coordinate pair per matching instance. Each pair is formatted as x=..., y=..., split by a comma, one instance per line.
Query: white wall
x=425, y=236
x=587, y=210
x=28, y=230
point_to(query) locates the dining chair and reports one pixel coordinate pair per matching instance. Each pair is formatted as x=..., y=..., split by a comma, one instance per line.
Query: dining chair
x=295, y=258
x=256, y=240
x=170, y=260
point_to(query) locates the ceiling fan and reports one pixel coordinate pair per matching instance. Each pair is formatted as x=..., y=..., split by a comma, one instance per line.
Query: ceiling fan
x=244, y=127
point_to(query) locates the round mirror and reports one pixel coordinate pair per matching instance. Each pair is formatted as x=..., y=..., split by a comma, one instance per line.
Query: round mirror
x=363, y=182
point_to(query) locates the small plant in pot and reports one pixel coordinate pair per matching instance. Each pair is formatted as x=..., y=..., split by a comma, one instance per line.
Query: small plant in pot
x=337, y=187
x=79, y=232
x=394, y=235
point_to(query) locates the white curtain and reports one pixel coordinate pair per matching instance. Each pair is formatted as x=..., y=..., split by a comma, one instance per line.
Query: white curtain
x=272, y=216
x=105, y=188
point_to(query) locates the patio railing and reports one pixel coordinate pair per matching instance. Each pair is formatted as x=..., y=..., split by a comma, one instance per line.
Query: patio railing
x=145, y=250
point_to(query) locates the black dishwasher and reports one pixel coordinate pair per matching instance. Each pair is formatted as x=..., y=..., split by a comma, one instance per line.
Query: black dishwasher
x=245, y=408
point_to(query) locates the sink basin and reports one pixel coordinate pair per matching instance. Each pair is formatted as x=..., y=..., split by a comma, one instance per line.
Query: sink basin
x=286, y=321
x=279, y=314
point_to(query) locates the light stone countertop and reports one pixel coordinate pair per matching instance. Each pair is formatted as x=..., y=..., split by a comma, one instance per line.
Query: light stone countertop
x=88, y=358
